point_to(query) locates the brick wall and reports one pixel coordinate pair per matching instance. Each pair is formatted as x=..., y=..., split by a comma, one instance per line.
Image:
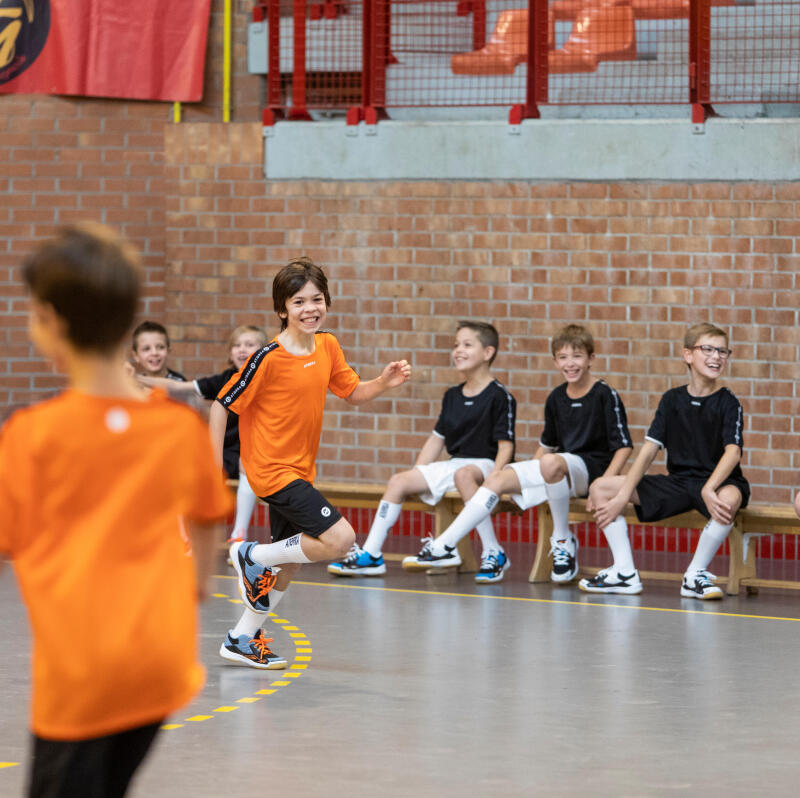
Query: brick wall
x=637, y=262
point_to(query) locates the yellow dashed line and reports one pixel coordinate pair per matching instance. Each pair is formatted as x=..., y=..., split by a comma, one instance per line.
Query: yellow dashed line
x=248, y=700
x=280, y=684
x=9, y=764
x=266, y=692
x=303, y=659
x=303, y=651
x=225, y=709
x=199, y=718
x=297, y=634
x=170, y=726
x=288, y=628
x=299, y=667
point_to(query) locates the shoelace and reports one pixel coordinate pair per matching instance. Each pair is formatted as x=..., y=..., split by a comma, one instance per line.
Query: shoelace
x=490, y=560
x=705, y=578
x=264, y=583
x=352, y=555
x=559, y=554
x=427, y=544
x=261, y=644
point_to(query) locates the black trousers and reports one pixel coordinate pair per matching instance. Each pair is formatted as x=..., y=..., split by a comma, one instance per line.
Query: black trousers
x=101, y=767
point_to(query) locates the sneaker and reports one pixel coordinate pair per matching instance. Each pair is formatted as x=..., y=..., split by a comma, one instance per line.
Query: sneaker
x=607, y=581
x=700, y=585
x=231, y=540
x=255, y=581
x=565, y=562
x=358, y=563
x=493, y=564
x=427, y=559
x=251, y=651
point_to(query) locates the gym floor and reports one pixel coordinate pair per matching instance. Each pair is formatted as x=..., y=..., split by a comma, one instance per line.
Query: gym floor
x=413, y=685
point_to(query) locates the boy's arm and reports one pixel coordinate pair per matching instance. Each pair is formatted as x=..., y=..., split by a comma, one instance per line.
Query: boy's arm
x=430, y=450
x=394, y=375
x=618, y=461
x=605, y=513
x=204, y=538
x=217, y=421
x=541, y=451
x=719, y=510
x=505, y=451
x=170, y=386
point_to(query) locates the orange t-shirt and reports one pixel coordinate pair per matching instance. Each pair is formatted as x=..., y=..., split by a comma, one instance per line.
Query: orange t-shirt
x=93, y=493
x=279, y=398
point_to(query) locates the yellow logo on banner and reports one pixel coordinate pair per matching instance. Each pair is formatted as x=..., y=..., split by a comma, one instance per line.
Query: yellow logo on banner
x=24, y=26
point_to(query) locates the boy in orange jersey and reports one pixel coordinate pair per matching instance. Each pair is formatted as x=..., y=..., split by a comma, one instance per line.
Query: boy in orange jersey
x=127, y=476
x=279, y=397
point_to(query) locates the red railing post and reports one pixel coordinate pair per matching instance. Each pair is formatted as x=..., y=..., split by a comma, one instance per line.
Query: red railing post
x=700, y=60
x=478, y=24
x=380, y=52
x=274, y=109
x=355, y=113
x=536, y=81
x=298, y=110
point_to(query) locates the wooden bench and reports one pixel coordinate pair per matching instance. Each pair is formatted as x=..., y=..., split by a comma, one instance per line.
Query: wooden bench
x=752, y=522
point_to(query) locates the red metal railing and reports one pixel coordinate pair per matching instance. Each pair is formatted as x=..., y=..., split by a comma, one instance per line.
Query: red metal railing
x=366, y=56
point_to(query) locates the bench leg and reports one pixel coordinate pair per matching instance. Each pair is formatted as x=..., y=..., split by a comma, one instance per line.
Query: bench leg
x=540, y=572
x=742, y=563
x=444, y=515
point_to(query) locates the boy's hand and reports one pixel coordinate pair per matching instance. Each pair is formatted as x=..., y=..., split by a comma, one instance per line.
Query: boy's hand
x=718, y=509
x=396, y=373
x=604, y=514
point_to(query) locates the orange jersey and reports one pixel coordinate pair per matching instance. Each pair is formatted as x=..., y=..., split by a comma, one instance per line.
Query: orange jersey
x=279, y=399
x=93, y=496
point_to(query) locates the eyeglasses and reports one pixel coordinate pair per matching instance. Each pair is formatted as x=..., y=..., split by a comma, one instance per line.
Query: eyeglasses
x=709, y=350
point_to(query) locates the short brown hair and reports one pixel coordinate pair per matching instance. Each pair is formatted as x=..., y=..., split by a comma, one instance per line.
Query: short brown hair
x=485, y=332
x=697, y=331
x=291, y=278
x=92, y=279
x=574, y=335
x=241, y=330
x=146, y=327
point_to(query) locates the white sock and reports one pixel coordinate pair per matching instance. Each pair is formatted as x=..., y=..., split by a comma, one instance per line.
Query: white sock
x=251, y=622
x=711, y=538
x=245, y=503
x=617, y=536
x=478, y=508
x=485, y=531
x=558, y=499
x=385, y=518
x=288, y=550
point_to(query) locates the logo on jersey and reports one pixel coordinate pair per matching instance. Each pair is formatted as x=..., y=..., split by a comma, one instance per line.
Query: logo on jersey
x=326, y=511
x=312, y=363
x=117, y=420
x=24, y=27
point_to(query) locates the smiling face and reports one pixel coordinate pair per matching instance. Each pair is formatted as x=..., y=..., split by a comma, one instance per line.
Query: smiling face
x=574, y=364
x=468, y=351
x=709, y=364
x=245, y=344
x=150, y=354
x=305, y=311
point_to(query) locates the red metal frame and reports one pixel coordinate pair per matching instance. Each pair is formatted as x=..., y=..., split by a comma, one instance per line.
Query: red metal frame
x=700, y=60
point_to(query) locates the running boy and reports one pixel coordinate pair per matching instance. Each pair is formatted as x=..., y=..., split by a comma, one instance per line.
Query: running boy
x=585, y=436
x=700, y=426
x=150, y=349
x=279, y=397
x=475, y=426
x=101, y=561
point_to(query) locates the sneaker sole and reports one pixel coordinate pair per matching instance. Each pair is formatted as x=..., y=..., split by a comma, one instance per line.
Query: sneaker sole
x=234, y=555
x=562, y=578
x=631, y=590
x=378, y=570
x=710, y=596
x=238, y=659
x=414, y=565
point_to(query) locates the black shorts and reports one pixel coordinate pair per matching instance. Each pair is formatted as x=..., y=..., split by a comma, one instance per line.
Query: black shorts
x=665, y=495
x=299, y=507
x=100, y=767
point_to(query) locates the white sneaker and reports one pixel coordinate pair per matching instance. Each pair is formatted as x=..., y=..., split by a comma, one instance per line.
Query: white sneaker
x=565, y=559
x=700, y=585
x=611, y=581
x=427, y=559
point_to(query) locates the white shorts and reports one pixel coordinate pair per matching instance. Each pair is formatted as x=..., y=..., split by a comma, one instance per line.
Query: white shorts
x=530, y=479
x=439, y=475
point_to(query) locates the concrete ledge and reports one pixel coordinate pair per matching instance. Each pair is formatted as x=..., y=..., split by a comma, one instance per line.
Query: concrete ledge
x=546, y=149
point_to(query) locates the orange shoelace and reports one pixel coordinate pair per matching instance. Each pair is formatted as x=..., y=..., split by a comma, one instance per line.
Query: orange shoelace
x=264, y=584
x=260, y=643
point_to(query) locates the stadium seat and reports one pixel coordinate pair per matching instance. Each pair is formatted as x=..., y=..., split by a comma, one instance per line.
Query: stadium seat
x=507, y=47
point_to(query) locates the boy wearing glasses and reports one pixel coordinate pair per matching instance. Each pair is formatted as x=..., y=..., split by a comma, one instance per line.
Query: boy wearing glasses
x=700, y=426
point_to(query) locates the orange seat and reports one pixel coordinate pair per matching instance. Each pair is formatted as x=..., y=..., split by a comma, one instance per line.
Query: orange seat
x=507, y=47
x=600, y=33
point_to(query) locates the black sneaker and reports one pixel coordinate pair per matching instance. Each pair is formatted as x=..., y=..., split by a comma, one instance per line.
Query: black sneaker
x=700, y=585
x=427, y=559
x=565, y=560
x=252, y=652
x=607, y=581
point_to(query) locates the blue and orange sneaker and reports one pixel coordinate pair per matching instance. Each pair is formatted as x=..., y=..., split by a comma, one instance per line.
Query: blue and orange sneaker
x=358, y=563
x=255, y=581
x=254, y=652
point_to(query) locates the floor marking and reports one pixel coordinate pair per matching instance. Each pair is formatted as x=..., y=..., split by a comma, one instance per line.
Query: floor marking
x=551, y=601
x=266, y=692
x=200, y=718
x=248, y=700
x=281, y=684
x=9, y=764
x=171, y=726
x=225, y=709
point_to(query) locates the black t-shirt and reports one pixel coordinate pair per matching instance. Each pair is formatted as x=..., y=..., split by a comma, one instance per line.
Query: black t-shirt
x=696, y=429
x=209, y=387
x=175, y=375
x=593, y=427
x=472, y=425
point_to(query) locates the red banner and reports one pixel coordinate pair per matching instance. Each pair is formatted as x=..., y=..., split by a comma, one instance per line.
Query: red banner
x=133, y=49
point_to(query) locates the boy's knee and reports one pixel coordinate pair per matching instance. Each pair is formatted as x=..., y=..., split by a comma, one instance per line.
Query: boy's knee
x=467, y=478
x=339, y=539
x=553, y=467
